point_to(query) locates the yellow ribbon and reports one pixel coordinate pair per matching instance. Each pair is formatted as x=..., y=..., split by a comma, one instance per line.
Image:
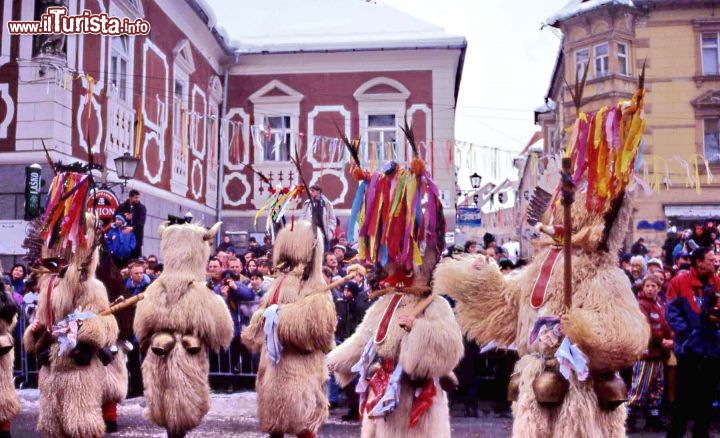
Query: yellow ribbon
x=91, y=85
x=138, y=132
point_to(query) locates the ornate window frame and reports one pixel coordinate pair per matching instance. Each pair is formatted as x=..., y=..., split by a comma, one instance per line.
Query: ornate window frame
x=386, y=103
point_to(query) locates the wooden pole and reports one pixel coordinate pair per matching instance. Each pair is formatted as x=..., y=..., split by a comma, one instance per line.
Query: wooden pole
x=419, y=308
x=120, y=304
x=568, y=197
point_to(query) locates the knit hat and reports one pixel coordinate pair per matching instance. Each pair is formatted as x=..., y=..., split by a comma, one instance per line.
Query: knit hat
x=656, y=262
x=353, y=287
x=119, y=217
x=683, y=255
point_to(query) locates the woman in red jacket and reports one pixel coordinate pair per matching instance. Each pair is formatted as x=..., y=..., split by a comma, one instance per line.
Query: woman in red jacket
x=646, y=392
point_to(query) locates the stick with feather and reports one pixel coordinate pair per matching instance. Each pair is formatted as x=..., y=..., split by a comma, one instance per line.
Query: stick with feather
x=417, y=165
x=260, y=175
x=613, y=212
x=354, y=150
x=47, y=157
x=577, y=94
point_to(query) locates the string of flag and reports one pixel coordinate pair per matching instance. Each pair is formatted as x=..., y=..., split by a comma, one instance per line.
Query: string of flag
x=655, y=171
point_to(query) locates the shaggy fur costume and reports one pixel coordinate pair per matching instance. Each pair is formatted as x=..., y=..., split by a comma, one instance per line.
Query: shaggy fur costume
x=72, y=395
x=431, y=349
x=9, y=402
x=178, y=302
x=605, y=322
x=117, y=373
x=291, y=394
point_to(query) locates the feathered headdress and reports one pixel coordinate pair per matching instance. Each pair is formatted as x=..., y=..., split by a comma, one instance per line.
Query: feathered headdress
x=396, y=211
x=603, y=146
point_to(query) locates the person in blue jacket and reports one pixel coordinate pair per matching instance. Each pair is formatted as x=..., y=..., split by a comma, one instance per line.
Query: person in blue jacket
x=694, y=315
x=120, y=241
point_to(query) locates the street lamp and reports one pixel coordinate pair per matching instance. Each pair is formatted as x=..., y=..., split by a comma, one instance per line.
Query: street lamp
x=475, y=180
x=125, y=166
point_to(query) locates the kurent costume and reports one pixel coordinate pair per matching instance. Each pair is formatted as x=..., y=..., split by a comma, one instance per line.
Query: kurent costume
x=176, y=324
x=293, y=329
x=603, y=329
x=110, y=275
x=72, y=342
x=9, y=403
x=400, y=368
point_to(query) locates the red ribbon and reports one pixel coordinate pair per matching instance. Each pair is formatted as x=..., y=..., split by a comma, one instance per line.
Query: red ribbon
x=422, y=402
x=387, y=318
x=276, y=294
x=378, y=384
x=541, y=283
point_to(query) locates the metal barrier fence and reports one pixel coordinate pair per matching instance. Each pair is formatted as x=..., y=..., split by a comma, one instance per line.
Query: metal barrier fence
x=234, y=361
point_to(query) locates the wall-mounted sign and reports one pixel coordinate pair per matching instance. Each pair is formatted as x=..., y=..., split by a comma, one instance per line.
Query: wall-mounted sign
x=469, y=216
x=449, y=238
x=103, y=203
x=704, y=211
x=12, y=235
x=33, y=185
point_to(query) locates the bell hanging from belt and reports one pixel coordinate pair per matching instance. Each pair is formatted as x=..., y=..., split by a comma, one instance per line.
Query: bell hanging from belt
x=6, y=344
x=513, y=390
x=610, y=389
x=191, y=344
x=550, y=387
x=162, y=343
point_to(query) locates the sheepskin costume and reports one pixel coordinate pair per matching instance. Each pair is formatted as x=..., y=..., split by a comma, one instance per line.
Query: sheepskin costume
x=117, y=372
x=604, y=321
x=291, y=393
x=187, y=318
x=431, y=350
x=72, y=394
x=9, y=402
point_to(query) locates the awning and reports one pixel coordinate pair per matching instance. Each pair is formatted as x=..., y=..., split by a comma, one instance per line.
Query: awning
x=704, y=211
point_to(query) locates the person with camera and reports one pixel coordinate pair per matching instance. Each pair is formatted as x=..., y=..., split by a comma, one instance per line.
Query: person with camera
x=694, y=315
x=235, y=293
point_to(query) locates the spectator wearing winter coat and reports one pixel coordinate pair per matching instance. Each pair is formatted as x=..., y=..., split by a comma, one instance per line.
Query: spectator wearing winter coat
x=671, y=241
x=16, y=281
x=694, y=316
x=639, y=248
x=120, y=241
x=638, y=269
x=225, y=245
x=646, y=392
x=319, y=211
x=137, y=280
x=134, y=212
x=235, y=293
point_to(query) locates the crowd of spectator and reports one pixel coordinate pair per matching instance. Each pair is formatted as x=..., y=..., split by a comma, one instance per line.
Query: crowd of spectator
x=677, y=289
x=676, y=380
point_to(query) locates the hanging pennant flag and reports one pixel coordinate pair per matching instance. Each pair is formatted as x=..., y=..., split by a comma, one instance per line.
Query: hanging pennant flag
x=183, y=131
x=236, y=142
x=213, y=139
x=192, y=129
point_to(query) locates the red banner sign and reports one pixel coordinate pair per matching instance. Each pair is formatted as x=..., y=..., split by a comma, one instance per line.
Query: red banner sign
x=103, y=203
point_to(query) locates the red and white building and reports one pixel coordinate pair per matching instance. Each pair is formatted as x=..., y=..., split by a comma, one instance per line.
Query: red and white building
x=196, y=109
